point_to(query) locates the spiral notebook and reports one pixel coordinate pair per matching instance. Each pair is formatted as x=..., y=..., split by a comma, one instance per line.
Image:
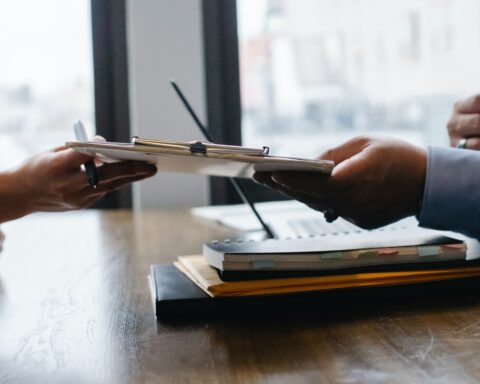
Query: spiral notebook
x=408, y=248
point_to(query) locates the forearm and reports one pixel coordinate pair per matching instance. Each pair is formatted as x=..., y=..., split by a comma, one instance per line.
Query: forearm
x=451, y=198
x=13, y=202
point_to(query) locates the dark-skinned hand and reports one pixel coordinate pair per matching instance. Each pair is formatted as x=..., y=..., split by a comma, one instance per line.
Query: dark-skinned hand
x=375, y=181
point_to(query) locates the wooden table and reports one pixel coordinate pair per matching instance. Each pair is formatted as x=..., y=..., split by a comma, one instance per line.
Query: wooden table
x=75, y=307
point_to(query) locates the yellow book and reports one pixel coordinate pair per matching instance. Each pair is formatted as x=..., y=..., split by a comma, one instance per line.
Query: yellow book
x=199, y=271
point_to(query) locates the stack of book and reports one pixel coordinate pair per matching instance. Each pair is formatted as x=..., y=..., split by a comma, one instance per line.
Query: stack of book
x=234, y=269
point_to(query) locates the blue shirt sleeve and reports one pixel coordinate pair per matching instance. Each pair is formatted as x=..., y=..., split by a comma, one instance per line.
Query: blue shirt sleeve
x=451, y=199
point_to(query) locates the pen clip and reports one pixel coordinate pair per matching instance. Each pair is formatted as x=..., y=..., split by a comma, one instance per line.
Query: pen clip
x=198, y=147
x=90, y=169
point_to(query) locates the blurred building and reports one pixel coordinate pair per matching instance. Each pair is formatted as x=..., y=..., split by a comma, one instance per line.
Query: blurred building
x=341, y=67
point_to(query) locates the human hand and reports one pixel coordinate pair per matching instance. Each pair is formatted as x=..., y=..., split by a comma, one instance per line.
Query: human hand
x=376, y=181
x=55, y=181
x=465, y=123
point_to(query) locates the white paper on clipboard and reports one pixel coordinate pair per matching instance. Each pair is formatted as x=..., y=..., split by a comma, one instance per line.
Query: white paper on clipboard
x=200, y=157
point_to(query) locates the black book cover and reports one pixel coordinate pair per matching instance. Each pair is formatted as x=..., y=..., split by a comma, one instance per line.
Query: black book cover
x=175, y=296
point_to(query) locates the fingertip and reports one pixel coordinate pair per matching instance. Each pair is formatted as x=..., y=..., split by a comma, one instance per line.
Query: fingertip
x=60, y=148
x=141, y=167
x=153, y=169
x=261, y=177
x=326, y=155
x=473, y=143
x=280, y=177
x=99, y=138
x=265, y=179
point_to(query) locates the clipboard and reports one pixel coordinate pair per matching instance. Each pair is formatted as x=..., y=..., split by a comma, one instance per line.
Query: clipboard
x=200, y=157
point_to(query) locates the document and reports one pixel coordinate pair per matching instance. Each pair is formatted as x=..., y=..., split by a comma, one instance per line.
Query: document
x=200, y=157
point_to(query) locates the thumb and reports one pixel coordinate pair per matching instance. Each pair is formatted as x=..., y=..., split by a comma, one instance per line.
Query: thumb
x=345, y=151
x=99, y=138
x=72, y=159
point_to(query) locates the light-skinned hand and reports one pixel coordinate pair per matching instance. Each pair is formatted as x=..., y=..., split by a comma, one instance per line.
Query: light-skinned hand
x=376, y=181
x=55, y=181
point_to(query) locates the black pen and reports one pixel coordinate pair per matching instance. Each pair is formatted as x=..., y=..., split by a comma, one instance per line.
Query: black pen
x=240, y=190
x=90, y=168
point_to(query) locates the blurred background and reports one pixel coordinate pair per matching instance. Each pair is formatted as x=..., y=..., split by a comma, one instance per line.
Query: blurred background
x=46, y=75
x=316, y=72
x=296, y=75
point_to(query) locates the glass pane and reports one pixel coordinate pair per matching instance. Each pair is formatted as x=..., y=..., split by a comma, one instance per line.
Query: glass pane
x=316, y=72
x=46, y=75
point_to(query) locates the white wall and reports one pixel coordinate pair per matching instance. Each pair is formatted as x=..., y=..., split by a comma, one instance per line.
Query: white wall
x=165, y=41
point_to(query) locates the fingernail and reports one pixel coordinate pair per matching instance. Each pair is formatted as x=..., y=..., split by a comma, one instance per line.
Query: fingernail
x=276, y=178
x=259, y=181
x=153, y=170
x=261, y=177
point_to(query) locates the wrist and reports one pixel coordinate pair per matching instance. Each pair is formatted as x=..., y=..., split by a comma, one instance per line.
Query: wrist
x=419, y=210
x=14, y=201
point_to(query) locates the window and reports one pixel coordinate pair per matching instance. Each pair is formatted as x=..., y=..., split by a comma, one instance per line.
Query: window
x=55, y=70
x=316, y=72
x=46, y=75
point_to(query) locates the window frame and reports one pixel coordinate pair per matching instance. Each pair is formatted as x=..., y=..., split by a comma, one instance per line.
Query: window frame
x=224, y=106
x=110, y=76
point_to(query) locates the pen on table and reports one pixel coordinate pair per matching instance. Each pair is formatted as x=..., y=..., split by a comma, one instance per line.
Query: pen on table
x=90, y=169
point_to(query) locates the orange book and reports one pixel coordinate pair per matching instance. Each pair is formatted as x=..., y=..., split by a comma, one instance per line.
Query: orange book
x=204, y=276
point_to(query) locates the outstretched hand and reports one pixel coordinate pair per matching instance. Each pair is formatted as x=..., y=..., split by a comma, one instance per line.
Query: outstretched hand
x=376, y=181
x=55, y=181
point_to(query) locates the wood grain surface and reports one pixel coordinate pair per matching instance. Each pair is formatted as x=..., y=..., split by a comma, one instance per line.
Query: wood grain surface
x=75, y=308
